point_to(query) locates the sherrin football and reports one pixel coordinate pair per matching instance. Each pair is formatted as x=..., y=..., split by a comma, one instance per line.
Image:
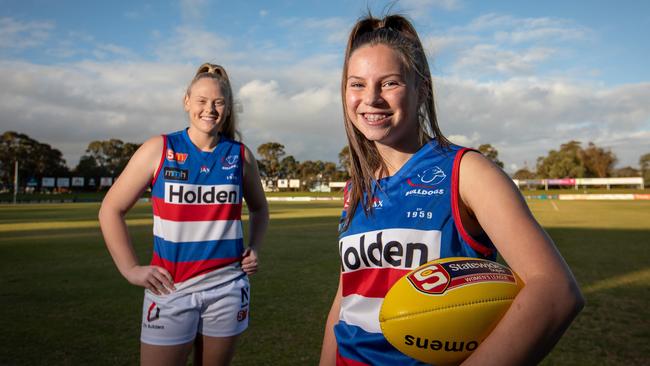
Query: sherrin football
x=440, y=312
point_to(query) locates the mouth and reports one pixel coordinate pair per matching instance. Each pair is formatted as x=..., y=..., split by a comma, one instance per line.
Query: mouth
x=376, y=119
x=211, y=119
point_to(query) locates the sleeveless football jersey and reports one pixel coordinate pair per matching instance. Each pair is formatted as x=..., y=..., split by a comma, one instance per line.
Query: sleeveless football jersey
x=197, y=203
x=415, y=219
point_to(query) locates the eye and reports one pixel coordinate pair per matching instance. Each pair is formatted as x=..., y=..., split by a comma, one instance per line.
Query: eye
x=356, y=85
x=390, y=84
x=220, y=102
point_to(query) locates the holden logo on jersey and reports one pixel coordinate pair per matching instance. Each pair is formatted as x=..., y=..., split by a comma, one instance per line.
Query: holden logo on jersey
x=176, y=156
x=399, y=248
x=229, y=162
x=201, y=194
x=204, y=169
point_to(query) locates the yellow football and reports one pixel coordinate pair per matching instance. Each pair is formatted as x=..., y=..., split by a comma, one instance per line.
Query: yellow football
x=440, y=312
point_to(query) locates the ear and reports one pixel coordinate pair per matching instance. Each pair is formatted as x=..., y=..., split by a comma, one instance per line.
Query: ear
x=186, y=103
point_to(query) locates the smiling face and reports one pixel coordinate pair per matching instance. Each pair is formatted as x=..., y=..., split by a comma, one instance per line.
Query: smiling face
x=381, y=97
x=206, y=106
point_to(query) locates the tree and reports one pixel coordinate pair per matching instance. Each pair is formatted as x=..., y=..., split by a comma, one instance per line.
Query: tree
x=289, y=167
x=644, y=164
x=598, y=162
x=329, y=171
x=35, y=159
x=344, y=158
x=271, y=153
x=309, y=171
x=564, y=163
x=627, y=171
x=523, y=174
x=105, y=158
x=491, y=153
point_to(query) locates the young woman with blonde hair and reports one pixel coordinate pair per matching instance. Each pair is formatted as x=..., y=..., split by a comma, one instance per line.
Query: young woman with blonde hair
x=196, y=287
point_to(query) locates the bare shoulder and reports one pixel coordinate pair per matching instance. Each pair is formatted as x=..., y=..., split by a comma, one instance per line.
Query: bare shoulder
x=480, y=180
x=476, y=169
x=248, y=154
x=153, y=146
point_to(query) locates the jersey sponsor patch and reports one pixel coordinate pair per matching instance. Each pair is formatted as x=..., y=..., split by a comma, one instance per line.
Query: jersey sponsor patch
x=396, y=248
x=176, y=174
x=198, y=194
x=176, y=156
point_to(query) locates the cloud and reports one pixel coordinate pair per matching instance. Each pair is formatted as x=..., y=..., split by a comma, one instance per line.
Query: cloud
x=308, y=122
x=506, y=28
x=485, y=59
x=526, y=117
x=417, y=7
x=496, y=91
x=189, y=43
x=333, y=29
x=193, y=10
x=19, y=35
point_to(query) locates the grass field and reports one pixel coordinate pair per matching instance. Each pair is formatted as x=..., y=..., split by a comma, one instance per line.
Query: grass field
x=62, y=302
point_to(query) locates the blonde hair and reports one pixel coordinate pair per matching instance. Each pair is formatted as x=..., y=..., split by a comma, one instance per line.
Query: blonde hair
x=218, y=73
x=396, y=32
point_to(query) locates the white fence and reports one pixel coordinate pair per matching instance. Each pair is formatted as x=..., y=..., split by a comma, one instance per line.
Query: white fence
x=577, y=182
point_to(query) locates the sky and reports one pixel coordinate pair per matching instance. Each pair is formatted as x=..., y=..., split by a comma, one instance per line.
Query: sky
x=522, y=76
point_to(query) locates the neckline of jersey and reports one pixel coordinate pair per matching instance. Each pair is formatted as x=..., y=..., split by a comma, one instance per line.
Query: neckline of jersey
x=204, y=154
x=404, y=169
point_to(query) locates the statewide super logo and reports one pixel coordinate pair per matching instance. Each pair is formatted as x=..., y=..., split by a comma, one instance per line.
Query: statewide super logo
x=424, y=184
x=437, y=278
x=229, y=162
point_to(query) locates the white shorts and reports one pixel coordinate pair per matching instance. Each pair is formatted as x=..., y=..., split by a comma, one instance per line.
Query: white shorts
x=176, y=318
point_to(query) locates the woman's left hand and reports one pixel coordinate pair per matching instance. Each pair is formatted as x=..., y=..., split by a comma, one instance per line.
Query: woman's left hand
x=250, y=262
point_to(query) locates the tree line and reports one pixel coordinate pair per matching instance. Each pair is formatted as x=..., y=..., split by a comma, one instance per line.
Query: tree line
x=108, y=158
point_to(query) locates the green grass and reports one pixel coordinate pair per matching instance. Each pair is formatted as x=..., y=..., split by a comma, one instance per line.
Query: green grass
x=63, y=302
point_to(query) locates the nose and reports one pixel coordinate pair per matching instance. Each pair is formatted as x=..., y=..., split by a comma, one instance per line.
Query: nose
x=372, y=95
x=211, y=108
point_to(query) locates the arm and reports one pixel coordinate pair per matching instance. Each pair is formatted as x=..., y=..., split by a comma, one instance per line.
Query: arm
x=550, y=299
x=328, y=352
x=258, y=212
x=118, y=201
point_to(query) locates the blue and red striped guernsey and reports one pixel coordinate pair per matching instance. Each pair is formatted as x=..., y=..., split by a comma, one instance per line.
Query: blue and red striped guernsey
x=197, y=203
x=415, y=220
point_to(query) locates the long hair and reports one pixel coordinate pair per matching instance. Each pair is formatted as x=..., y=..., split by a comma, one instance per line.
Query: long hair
x=396, y=32
x=228, y=126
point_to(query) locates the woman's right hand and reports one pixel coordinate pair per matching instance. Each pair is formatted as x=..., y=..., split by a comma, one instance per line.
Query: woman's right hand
x=155, y=279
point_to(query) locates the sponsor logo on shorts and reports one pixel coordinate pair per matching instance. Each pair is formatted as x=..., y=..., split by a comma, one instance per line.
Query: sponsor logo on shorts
x=242, y=315
x=436, y=279
x=153, y=313
x=176, y=174
x=176, y=156
x=245, y=300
